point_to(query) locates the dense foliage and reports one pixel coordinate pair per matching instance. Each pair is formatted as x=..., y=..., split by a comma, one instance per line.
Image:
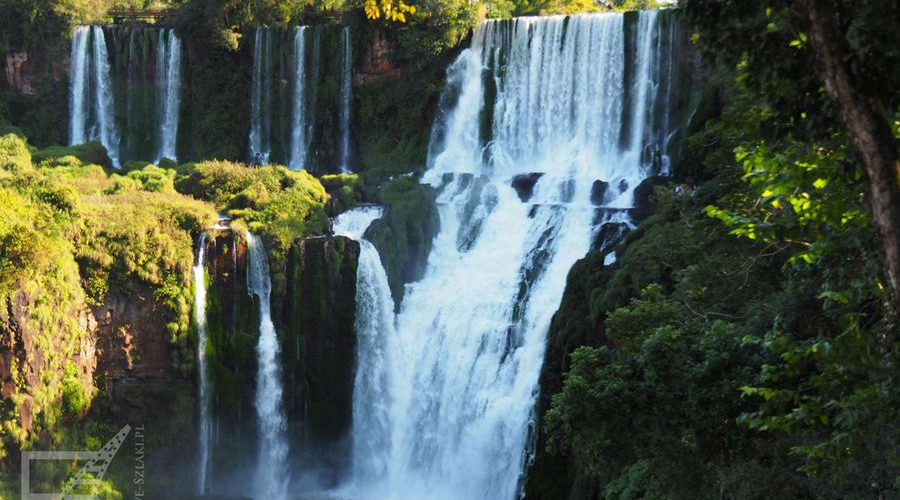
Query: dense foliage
x=72, y=234
x=742, y=345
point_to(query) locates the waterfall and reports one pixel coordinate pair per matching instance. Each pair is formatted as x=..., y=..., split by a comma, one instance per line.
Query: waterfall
x=272, y=473
x=346, y=89
x=91, y=93
x=529, y=159
x=301, y=128
x=260, y=99
x=168, y=74
x=375, y=333
x=204, y=393
x=78, y=91
x=107, y=132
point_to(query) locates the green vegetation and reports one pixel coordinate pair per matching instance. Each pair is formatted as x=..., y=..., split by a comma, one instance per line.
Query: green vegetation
x=278, y=204
x=70, y=233
x=404, y=235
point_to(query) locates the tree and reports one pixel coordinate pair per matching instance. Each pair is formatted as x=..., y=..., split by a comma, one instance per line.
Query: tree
x=853, y=47
x=868, y=130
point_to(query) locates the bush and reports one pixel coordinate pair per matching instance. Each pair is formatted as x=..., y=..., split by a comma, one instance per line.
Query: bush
x=14, y=155
x=88, y=153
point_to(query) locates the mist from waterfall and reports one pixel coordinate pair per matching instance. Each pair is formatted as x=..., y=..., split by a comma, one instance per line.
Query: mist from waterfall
x=272, y=476
x=168, y=75
x=205, y=426
x=260, y=98
x=533, y=101
x=346, y=91
x=375, y=334
x=91, y=102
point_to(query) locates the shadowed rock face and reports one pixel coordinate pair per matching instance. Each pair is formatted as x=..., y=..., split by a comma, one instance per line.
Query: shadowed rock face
x=318, y=312
x=524, y=184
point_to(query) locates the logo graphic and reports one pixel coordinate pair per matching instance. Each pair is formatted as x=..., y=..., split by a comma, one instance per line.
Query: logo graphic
x=91, y=474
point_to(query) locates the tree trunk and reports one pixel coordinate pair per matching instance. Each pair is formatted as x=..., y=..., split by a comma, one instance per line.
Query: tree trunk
x=869, y=132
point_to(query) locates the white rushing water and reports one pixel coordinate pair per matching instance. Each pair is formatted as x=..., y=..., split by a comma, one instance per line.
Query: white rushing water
x=301, y=128
x=78, y=88
x=91, y=106
x=168, y=74
x=260, y=98
x=375, y=337
x=204, y=392
x=106, y=132
x=450, y=399
x=272, y=472
x=346, y=95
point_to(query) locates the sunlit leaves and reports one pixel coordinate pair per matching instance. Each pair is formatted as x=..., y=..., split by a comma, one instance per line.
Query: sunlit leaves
x=390, y=10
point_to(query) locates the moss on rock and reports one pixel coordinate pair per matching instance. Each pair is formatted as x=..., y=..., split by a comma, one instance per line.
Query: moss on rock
x=405, y=234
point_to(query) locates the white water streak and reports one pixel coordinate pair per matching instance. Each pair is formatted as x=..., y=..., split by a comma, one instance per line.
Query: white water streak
x=168, y=74
x=204, y=392
x=301, y=128
x=376, y=337
x=346, y=91
x=260, y=98
x=271, y=474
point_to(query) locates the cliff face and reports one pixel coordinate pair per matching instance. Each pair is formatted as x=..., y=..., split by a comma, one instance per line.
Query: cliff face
x=318, y=312
x=314, y=316
x=33, y=361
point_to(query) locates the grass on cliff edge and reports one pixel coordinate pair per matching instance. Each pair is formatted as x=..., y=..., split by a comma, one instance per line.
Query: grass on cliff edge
x=69, y=232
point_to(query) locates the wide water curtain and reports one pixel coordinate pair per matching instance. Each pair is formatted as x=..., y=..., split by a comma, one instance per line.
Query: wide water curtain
x=91, y=108
x=530, y=159
x=168, y=74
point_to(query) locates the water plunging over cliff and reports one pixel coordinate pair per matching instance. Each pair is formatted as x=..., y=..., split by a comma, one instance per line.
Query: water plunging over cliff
x=346, y=90
x=301, y=126
x=375, y=335
x=204, y=393
x=546, y=127
x=260, y=118
x=91, y=111
x=272, y=473
x=168, y=75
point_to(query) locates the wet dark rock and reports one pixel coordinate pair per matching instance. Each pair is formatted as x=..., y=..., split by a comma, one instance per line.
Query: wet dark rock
x=524, y=184
x=598, y=192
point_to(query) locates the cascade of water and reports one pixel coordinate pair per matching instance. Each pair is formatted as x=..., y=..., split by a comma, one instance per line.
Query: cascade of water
x=375, y=333
x=271, y=474
x=168, y=74
x=260, y=99
x=346, y=89
x=470, y=335
x=106, y=131
x=78, y=91
x=200, y=319
x=300, y=128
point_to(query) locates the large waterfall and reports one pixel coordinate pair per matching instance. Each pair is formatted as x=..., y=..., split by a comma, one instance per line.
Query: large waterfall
x=205, y=430
x=272, y=473
x=91, y=108
x=168, y=74
x=531, y=158
x=346, y=90
x=375, y=334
